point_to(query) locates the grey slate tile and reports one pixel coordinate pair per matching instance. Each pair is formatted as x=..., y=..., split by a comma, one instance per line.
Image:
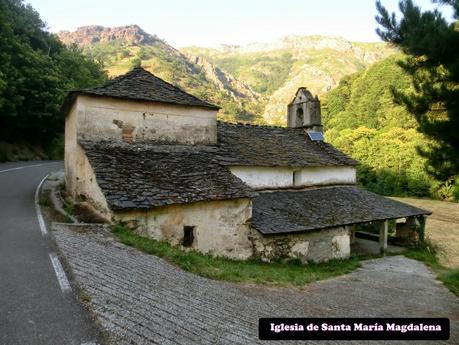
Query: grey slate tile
x=275, y=146
x=139, y=84
x=319, y=208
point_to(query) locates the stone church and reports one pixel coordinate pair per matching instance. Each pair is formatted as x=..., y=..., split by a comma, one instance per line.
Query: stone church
x=145, y=153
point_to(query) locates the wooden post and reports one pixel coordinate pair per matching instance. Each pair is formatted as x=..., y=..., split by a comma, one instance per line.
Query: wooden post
x=352, y=233
x=383, y=234
x=422, y=227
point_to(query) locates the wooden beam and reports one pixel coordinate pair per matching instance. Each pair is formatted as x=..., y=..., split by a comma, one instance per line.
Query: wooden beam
x=383, y=234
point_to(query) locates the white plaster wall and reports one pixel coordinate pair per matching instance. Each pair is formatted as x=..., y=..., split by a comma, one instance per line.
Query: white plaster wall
x=70, y=148
x=221, y=226
x=102, y=118
x=282, y=177
x=79, y=176
x=264, y=177
x=326, y=175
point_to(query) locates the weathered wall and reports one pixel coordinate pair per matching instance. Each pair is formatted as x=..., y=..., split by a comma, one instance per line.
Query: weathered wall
x=99, y=118
x=70, y=147
x=103, y=118
x=86, y=187
x=304, y=111
x=279, y=177
x=264, y=177
x=220, y=226
x=326, y=175
x=315, y=246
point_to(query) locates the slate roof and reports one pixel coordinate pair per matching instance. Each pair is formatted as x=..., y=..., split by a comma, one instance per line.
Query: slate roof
x=139, y=84
x=275, y=146
x=145, y=176
x=308, y=210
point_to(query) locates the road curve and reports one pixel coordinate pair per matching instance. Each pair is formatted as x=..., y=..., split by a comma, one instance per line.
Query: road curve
x=34, y=310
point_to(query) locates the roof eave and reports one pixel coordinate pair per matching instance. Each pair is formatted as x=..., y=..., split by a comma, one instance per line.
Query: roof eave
x=289, y=232
x=132, y=99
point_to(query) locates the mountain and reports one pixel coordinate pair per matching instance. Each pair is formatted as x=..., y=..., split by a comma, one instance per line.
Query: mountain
x=277, y=69
x=121, y=48
x=91, y=35
x=251, y=83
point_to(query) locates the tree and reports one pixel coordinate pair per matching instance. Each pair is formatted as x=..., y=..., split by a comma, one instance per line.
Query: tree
x=432, y=46
x=36, y=71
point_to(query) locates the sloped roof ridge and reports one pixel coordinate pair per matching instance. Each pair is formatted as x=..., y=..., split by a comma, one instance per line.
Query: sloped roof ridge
x=140, y=84
x=166, y=82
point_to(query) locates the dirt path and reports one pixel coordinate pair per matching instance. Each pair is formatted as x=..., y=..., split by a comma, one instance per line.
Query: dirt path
x=141, y=299
x=442, y=227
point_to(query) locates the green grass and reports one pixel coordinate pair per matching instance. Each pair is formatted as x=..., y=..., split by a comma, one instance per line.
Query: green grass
x=250, y=271
x=427, y=253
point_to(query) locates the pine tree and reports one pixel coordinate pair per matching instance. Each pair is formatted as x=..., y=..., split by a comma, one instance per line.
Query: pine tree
x=432, y=46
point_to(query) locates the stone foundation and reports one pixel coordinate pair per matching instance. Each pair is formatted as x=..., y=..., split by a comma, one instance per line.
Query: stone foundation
x=410, y=232
x=220, y=229
x=317, y=246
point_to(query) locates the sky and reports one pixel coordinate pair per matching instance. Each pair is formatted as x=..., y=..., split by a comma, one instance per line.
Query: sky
x=209, y=23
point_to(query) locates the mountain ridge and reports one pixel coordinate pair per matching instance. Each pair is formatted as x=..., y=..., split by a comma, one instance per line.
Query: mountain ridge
x=252, y=83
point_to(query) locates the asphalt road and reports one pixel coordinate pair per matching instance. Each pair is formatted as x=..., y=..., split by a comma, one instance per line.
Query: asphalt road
x=33, y=307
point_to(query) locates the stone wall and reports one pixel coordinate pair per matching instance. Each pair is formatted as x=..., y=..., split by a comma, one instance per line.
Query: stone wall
x=315, y=246
x=220, y=227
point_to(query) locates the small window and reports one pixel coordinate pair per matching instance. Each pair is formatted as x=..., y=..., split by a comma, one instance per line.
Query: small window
x=188, y=236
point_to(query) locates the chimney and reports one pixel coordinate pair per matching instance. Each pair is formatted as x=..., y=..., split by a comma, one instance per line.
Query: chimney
x=304, y=111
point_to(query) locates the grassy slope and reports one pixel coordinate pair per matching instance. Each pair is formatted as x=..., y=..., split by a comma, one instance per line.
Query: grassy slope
x=252, y=271
x=442, y=228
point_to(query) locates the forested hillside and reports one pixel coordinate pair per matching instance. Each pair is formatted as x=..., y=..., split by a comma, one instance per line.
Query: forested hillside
x=362, y=119
x=36, y=70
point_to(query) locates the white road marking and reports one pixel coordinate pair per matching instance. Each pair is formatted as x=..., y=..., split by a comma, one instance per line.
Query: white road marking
x=41, y=221
x=26, y=166
x=60, y=273
x=90, y=343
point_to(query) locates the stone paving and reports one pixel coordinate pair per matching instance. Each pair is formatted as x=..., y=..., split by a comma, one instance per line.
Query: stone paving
x=142, y=299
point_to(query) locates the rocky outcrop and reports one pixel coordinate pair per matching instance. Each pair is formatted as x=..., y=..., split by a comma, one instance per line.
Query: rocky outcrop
x=90, y=35
x=237, y=89
x=247, y=78
x=301, y=45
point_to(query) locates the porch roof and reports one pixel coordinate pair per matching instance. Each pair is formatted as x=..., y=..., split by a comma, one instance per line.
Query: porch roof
x=320, y=208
